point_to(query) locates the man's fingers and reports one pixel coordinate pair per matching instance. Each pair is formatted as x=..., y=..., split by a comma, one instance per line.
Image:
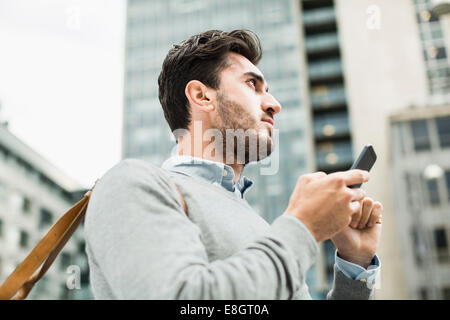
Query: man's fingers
x=356, y=217
x=351, y=177
x=355, y=206
x=306, y=178
x=357, y=194
x=367, y=207
x=375, y=217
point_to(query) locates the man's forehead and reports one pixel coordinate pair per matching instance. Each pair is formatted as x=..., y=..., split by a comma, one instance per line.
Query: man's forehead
x=239, y=63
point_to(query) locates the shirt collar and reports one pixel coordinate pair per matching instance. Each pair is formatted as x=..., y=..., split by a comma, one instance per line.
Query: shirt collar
x=211, y=171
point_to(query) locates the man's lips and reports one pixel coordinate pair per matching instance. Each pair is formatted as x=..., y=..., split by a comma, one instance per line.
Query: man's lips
x=268, y=120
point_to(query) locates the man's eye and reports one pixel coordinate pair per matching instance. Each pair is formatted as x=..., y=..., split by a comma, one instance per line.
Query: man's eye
x=253, y=82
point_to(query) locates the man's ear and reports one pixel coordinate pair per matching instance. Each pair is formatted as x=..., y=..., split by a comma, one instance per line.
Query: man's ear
x=199, y=95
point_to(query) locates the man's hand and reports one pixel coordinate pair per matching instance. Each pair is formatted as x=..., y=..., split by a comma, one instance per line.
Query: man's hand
x=324, y=202
x=358, y=242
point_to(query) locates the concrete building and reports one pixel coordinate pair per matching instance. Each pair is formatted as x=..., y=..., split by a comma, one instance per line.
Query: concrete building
x=33, y=195
x=420, y=172
x=339, y=68
x=394, y=53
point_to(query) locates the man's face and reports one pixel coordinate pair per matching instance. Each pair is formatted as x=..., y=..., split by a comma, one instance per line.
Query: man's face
x=243, y=102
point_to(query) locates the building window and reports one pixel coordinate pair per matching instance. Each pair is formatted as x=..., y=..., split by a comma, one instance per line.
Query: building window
x=84, y=279
x=418, y=246
x=447, y=183
x=433, y=191
x=23, y=239
x=3, y=192
x=433, y=53
x=441, y=243
x=26, y=205
x=329, y=253
x=420, y=135
x=66, y=260
x=66, y=294
x=446, y=293
x=423, y=294
x=443, y=128
x=45, y=219
x=81, y=247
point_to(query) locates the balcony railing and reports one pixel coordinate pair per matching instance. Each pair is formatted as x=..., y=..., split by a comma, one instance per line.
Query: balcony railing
x=329, y=97
x=331, y=126
x=320, y=43
x=319, y=16
x=338, y=154
x=324, y=69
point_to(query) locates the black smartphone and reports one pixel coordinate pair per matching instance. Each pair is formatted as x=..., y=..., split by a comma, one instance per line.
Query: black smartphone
x=365, y=161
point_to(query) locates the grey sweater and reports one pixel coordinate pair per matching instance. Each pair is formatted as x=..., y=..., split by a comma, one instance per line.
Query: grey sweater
x=141, y=245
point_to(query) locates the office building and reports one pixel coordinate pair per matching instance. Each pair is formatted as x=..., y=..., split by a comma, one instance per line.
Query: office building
x=395, y=57
x=33, y=195
x=420, y=172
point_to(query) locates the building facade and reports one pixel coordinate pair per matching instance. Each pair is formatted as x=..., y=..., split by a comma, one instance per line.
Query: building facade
x=395, y=58
x=420, y=172
x=33, y=195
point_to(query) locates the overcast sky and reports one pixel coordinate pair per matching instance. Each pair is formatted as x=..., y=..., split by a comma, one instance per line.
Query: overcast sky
x=61, y=80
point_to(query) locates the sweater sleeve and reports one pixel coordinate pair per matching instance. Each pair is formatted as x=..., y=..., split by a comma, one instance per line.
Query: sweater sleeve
x=147, y=248
x=345, y=288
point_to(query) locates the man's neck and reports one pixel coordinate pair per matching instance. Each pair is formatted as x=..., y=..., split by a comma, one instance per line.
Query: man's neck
x=189, y=150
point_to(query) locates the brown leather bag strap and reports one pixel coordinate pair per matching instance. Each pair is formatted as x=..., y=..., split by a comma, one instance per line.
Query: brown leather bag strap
x=183, y=203
x=18, y=285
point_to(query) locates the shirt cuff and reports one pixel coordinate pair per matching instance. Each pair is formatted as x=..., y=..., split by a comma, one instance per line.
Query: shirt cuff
x=356, y=272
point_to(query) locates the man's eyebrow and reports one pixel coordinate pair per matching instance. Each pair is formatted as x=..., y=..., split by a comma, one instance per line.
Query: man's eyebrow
x=258, y=77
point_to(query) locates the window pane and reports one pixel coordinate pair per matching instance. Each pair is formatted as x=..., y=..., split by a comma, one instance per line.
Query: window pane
x=447, y=183
x=26, y=205
x=3, y=192
x=423, y=293
x=329, y=252
x=417, y=245
x=433, y=191
x=420, y=135
x=440, y=241
x=45, y=219
x=23, y=240
x=66, y=260
x=440, y=238
x=446, y=293
x=443, y=127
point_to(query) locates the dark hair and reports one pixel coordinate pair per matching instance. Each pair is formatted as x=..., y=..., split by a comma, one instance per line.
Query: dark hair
x=201, y=57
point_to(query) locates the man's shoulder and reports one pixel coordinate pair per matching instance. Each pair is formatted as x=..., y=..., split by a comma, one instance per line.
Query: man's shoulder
x=130, y=173
x=131, y=167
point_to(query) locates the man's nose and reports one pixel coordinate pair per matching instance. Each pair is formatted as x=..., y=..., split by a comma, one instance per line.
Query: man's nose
x=269, y=102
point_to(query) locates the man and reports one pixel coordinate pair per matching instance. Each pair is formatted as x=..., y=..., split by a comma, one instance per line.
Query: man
x=142, y=244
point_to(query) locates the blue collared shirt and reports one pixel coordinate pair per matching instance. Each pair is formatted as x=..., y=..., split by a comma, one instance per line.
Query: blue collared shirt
x=223, y=175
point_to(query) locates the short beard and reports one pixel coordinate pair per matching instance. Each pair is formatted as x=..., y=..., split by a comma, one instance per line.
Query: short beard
x=234, y=118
